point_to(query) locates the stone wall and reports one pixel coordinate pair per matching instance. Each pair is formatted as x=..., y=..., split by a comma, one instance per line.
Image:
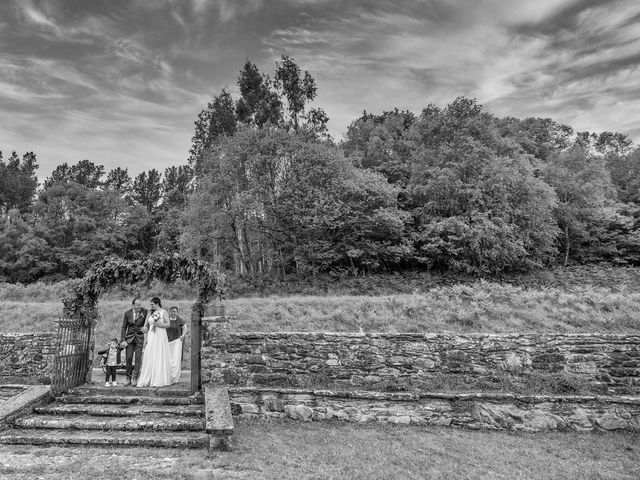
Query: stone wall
x=26, y=357
x=409, y=361
x=488, y=411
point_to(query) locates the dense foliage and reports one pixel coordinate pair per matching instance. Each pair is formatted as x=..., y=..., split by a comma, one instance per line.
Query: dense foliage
x=266, y=191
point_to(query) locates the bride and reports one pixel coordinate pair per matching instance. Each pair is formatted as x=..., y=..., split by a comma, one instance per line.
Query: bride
x=156, y=368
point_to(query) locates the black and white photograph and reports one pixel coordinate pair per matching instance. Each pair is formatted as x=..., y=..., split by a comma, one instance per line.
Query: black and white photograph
x=319, y=239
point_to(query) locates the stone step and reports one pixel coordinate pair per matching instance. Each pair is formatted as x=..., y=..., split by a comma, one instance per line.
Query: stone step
x=130, y=399
x=104, y=438
x=120, y=410
x=121, y=390
x=153, y=422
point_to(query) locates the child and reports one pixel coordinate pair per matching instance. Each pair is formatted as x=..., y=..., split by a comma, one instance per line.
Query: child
x=111, y=356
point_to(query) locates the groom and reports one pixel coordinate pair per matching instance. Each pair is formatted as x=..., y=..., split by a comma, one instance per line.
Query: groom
x=132, y=336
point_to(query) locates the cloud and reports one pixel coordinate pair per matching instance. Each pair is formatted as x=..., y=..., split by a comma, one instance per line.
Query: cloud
x=181, y=21
x=35, y=16
x=502, y=53
x=98, y=80
x=132, y=75
x=227, y=10
x=201, y=5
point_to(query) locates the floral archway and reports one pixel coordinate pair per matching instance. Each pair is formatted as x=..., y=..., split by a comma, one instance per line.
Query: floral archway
x=114, y=271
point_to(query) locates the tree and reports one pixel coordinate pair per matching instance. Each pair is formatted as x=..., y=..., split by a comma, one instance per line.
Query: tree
x=299, y=89
x=625, y=173
x=336, y=215
x=258, y=104
x=381, y=143
x=276, y=200
x=477, y=204
x=84, y=173
x=261, y=105
x=217, y=120
x=147, y=189
x=176, y=184
x=220, y=222
x=618, y=238
x=18, y=182
x=25, y=254
x=607, y=143
x=585, y=196
x=118, y=180
x=540, y=137
x=82, y=225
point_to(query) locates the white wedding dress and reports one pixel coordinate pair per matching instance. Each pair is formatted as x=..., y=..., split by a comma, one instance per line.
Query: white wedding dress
x=175, y=350
x=157, y=367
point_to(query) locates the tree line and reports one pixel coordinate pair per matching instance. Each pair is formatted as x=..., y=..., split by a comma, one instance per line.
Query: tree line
x=266, y=191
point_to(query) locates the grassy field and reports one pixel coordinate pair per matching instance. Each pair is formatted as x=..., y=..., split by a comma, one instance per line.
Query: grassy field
x=462, y=308
x=293, y=450
x=478, y=307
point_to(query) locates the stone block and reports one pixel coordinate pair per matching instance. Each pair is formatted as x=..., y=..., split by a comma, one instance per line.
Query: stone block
x=513, y=362
x=271, y=403
x=440, y=421
x=299, y=412
x=501, y=416
x=589, y=368
x=219, y=420
x=611, y=422
x=552, y=362
x=400, y=420
x=536, y=421
x=366, y=418
x=340, y=415
x=250, y=409
x=580, y=420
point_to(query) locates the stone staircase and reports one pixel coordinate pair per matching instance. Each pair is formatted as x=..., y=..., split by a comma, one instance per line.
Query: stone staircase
x=119, y=416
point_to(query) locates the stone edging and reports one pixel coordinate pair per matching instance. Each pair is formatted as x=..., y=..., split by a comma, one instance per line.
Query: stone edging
x=466, y=410
x=405, y=396
x=15, y=405
x=623, y=337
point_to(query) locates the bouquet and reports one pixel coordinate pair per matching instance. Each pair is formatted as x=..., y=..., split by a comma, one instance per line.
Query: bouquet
x=152, y=321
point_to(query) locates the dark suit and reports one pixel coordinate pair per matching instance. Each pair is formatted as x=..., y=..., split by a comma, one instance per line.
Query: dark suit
x=134, y=336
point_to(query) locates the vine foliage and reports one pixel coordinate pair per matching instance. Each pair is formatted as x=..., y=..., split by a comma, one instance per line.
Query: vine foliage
x=115, y=271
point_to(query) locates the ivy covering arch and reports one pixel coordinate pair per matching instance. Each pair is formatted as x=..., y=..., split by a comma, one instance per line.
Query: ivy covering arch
x=116, y=271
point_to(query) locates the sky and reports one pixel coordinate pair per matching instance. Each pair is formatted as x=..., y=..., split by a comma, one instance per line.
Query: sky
x=121, y=82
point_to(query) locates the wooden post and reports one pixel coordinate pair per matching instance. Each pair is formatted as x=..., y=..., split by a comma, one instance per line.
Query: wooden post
x=196, y=343
x=91, y=346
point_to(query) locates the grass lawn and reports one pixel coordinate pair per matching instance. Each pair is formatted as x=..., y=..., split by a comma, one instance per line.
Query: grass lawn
x=291, y=450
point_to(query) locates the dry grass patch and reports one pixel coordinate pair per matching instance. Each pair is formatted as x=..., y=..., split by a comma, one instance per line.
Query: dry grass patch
x=483, y=307
x=479, y=307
